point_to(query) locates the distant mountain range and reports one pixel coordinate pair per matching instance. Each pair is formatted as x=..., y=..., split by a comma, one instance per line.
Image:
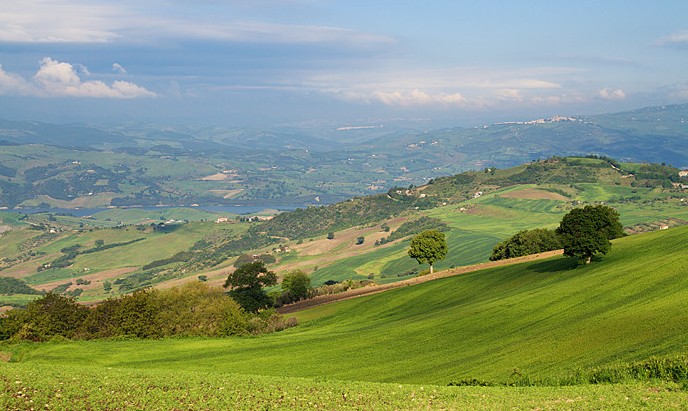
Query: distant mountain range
x=138, y=164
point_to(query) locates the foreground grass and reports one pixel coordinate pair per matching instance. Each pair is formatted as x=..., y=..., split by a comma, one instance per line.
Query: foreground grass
x=82, y=387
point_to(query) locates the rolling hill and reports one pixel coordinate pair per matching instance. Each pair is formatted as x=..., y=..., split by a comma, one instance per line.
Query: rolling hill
x=476, y=209
x=87, y=166
x=544, y=321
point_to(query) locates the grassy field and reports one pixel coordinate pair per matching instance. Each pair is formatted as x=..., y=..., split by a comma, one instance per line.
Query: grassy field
x=92, y=388
x=544, y=319
x=399, y=349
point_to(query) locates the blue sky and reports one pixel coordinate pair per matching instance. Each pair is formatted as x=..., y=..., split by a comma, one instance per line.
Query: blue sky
x=266, y=62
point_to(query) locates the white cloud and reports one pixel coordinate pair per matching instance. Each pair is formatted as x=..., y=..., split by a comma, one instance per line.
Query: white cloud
x=475, y=87
x=609, y=94
x=413, y=97
x=82, y=21
x=57, y=21
x=13, y=84
x=680, y=37
x=118, y=68
x=60, y=79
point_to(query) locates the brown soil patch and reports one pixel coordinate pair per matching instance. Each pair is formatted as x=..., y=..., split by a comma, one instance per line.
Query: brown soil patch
x=322, y=250
x=4, y=228
x=373, y=289
x=534, y=194
x=346, y=239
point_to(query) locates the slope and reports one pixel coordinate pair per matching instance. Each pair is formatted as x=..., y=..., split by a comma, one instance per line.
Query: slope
x=542, y=319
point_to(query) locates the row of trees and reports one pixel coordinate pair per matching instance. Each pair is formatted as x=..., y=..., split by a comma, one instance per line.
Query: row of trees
x=582, y=233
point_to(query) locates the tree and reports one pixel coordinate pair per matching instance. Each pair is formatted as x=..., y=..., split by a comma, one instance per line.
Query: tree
x=526, y=242
x=296, y=285
x=428, y=247
x=586, y=231
x=330, y=235
x=360, y=240
x=246, y=285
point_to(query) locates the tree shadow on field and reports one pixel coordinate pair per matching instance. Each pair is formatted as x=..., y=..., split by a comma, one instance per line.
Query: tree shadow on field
x=553, y=266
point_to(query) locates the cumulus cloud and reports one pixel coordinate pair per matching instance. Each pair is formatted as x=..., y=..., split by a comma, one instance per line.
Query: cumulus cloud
x=61, y=79
x=474, y=87
x=609, y=94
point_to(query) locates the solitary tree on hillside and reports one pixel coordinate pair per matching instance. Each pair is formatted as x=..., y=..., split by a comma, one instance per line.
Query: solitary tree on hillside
x=296, y=285
x=586, y=231
x=246, y=285
x=428, y=247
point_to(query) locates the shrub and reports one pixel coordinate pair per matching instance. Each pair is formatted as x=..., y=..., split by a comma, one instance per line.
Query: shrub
x=527, y=242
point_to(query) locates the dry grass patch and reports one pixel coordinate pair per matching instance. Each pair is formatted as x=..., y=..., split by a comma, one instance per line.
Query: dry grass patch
x=227, y=193
x=217, y=177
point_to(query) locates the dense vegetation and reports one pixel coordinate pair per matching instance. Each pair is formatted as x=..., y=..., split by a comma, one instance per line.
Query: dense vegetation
x=193, y=309
x=526, y=242
x=10, y=285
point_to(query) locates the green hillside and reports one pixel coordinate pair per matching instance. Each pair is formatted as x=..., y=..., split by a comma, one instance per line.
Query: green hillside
x=477, y=210
x=543, y=319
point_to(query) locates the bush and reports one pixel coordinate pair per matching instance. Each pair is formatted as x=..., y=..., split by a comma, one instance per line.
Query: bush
x=527, y=242
x=296, y=285
x=194, y=309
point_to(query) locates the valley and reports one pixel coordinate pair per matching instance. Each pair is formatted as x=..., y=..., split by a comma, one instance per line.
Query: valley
x=539, y=329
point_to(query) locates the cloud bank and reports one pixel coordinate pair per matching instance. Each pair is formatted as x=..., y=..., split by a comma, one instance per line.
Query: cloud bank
x=61, y=79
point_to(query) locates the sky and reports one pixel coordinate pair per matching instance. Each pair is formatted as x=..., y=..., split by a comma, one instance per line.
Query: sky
x=272, y=62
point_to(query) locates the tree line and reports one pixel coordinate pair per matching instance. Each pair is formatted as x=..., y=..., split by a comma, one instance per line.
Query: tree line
x=582, y=233
x=194, y=309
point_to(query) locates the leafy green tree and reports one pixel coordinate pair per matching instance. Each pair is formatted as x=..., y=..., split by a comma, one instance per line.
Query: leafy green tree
x=47, y=317
x=330, y=235
x=360, y=240
x=586, y=231
x=428, y=247
x=296, y=285
x=246, y=285
x=527, y=242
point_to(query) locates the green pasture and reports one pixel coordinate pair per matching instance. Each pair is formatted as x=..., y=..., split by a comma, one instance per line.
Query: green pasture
x=489, y=219
x=543, y=319
x=10, y=241
x=49, y=276
x=20, y=299
x=139, y=215
x=154, y=246
x=98, y=389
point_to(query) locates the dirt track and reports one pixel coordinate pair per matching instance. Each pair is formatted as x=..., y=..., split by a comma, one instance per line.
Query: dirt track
x=325, y=299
